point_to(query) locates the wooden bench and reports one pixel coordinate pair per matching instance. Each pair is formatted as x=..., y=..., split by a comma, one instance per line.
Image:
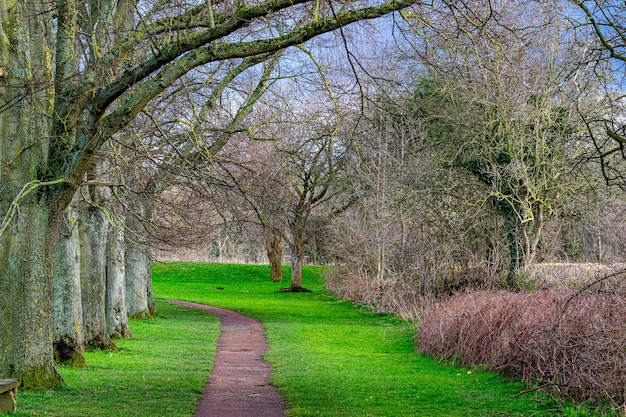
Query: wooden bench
x=8, y=395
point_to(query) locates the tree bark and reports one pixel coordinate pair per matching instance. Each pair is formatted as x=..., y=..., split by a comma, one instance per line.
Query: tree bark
x=139, y=301
x=69, y=341
x=93, y=235
x=138, y=282
x=274, y=251
x=116, y=315
x=25, y=302
x=27, y=223
x=297, y=261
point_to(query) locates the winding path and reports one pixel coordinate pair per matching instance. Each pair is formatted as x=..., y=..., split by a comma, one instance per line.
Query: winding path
x=239, y=382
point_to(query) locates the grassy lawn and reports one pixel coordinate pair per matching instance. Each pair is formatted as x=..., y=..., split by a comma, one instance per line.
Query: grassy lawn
x=331, y=358
x=161, y=371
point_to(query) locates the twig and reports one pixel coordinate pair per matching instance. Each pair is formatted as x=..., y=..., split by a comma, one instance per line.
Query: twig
x=585, y=288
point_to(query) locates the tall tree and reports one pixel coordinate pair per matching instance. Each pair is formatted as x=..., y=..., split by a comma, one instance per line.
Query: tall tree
x=297, y=178
x=311, y=173
x=506, y=114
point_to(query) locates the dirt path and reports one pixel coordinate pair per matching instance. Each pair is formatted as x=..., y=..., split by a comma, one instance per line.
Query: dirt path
x=239, y=382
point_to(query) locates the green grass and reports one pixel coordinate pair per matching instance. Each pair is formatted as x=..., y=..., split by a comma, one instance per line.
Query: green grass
x=332, y=358
x=161, y=371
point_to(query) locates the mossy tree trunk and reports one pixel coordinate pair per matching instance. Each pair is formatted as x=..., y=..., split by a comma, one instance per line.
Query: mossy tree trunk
x=138, y=282
x=25, y=303
x=94, y=228
x=116, y=314
x=69, y=341
x=27, y=231
x=138, y=270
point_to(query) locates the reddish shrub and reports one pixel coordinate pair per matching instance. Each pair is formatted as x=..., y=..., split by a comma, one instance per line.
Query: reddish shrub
x=570, y=342
x=396, y=295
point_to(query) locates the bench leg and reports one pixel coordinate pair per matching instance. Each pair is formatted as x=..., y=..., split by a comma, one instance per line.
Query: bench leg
x=8, y=401
x=13, y=395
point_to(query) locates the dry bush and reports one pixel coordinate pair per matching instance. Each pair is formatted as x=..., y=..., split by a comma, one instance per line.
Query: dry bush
x=393, y=295
x=568, y=275
x=403, y=294
x=571, y=342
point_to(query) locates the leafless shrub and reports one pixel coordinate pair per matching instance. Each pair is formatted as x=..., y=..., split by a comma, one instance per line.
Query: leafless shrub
x=572, y=342
x=568, y=275
x=397, y=295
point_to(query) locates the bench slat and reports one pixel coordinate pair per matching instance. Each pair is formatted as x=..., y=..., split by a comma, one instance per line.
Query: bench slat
x=8, y=384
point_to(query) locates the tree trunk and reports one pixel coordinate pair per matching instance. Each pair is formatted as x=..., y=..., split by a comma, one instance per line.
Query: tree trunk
x=533, y=231
x=139, y=301
x=297, y=260
x=93, y=235
x=138, y=282
x=116, y=315
x=514, y=241
x=69, y=341
x=25, y=302
x=274, y=250
x=25, y=247
x=298, y=240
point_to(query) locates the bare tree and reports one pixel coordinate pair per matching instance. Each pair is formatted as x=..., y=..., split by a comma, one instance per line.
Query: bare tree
x=507, y=115
x=413, y=230
x=475, y=165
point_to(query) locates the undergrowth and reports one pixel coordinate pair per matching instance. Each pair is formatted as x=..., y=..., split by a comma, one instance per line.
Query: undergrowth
x=566, y=341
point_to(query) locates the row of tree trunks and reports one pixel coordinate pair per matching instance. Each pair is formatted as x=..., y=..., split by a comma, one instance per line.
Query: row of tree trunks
x=72, y=75
x=94, y=269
